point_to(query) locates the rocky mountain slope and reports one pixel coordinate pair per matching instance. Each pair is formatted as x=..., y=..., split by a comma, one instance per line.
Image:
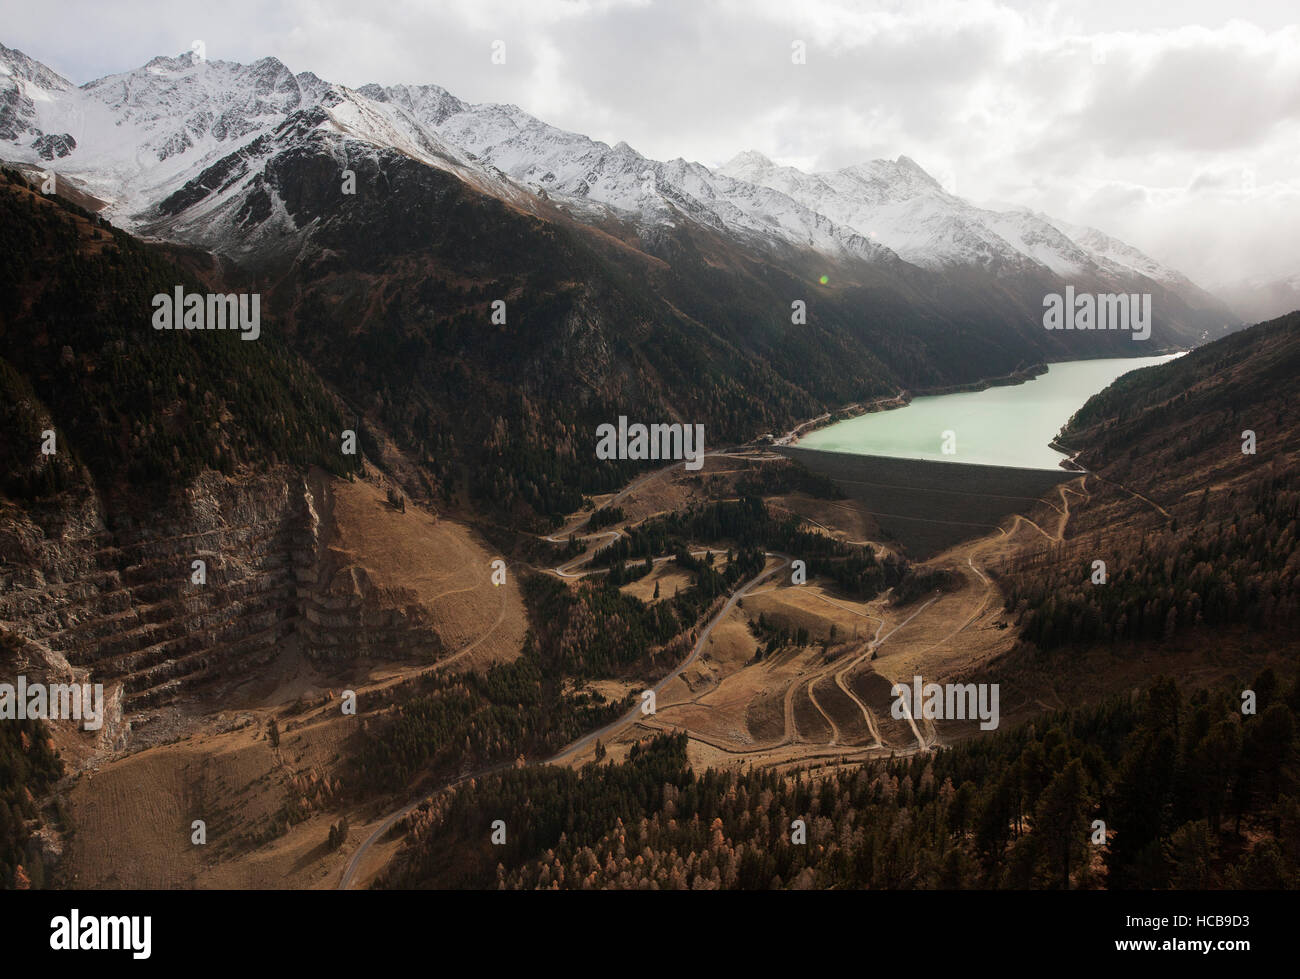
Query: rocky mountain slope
x=172, y=538
x=1191, y=503
x=149, y=140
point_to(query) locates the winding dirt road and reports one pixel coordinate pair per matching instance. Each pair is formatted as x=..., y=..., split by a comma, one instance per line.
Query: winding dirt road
x=838, y=671
x=354, y=863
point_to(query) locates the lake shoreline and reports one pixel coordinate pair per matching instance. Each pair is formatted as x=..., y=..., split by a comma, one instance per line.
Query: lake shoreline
x=1021, y=375
x=1073, y=372
x=903, y=398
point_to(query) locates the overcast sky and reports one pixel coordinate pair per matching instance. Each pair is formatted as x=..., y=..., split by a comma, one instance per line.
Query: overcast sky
x=1175, y=126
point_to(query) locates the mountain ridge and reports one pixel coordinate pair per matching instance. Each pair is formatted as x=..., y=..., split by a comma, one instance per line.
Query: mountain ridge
x=870, y=212
x=381, y=225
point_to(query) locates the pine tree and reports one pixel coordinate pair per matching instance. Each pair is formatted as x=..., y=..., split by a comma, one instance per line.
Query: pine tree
x=1059, y=819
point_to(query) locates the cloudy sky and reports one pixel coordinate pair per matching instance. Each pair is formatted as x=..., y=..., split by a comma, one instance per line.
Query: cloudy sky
x=1173, y=126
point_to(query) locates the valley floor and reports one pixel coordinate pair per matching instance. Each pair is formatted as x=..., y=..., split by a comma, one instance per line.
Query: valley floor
x=821, y=705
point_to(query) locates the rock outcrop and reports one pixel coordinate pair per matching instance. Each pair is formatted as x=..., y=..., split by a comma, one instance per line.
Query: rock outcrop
x=125, y=605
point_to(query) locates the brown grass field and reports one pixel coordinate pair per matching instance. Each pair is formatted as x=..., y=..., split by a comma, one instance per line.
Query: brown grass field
x=133, y=813
x=825, y=704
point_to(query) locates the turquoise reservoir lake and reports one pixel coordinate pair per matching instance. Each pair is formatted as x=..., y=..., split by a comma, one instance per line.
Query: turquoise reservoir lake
x=1000, y=426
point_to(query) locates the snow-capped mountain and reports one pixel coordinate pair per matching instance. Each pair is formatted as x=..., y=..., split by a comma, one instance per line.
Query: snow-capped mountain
x=137, y=138
x=129, y=136
x=183, y=148
x=898, y=204
x=27, y=86
x=592, y=177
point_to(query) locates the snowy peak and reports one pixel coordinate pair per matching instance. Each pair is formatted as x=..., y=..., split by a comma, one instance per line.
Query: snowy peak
x=593, y=179
x=747, y=161
x=909, y=166
x=1105, y=248
x=887, y=181
x=312, y=87
x=898, y=204
x=187, y=132
x=430, y=104
x=163, y=64
x=18, y=66
x=179, y=101
x=26, y=86
x=134, y=138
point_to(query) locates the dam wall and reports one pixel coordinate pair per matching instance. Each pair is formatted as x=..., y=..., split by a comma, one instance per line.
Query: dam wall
x=929, y=506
